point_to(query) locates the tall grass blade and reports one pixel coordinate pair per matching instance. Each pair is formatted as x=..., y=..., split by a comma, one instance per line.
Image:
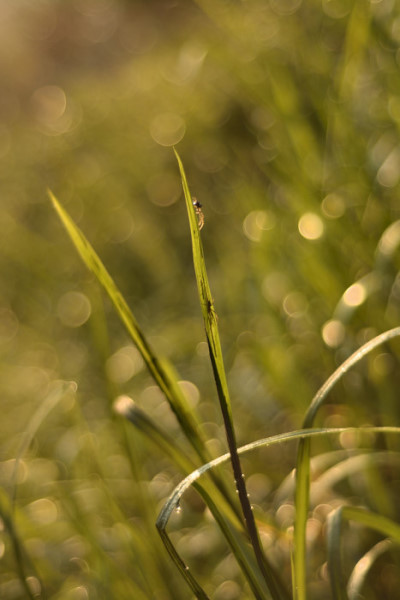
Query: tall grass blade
x=272, y=578
x=303, y=458
x=161, y=372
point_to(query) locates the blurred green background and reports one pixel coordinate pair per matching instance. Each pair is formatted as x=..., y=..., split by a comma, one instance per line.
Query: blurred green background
x=286, y=114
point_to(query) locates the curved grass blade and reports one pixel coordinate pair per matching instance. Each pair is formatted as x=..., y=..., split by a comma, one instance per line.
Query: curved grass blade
x=350, y=466
x=272, y=578
x=359, y=574
x=303, y=458
x=375, y=521
x=230, y=525
x=55, y=395
x=161, y=372
x=174, y=499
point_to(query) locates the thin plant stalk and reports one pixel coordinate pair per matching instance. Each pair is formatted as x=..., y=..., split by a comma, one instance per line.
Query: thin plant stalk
x=225, y=517
x=274, y=584
x=160, y=369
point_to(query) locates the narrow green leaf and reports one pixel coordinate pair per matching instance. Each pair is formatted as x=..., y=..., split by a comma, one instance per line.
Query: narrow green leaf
x=230, y=526
x=174, y=499
x=303, y=458
x=385, y=526
x=272, y=578
x=161, y=372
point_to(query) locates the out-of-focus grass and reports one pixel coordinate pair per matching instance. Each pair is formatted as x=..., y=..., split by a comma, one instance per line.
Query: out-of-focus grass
x=290, y=115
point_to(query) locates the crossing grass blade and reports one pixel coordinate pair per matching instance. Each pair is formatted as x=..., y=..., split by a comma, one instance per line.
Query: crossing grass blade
x=303, y=458
x=174, y=500
x=228, y=522
x=161, y=371
x=379, y=523
x=275, y=586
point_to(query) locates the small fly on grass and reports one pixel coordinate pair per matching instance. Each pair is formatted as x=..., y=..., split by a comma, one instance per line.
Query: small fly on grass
x=199, y=212
x=211, y=311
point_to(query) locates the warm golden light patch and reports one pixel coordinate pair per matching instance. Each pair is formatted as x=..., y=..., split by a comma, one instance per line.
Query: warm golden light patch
x=311, y=226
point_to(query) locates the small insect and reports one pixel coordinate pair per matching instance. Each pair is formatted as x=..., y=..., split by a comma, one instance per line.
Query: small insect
x=211, y=311
x=199, y=212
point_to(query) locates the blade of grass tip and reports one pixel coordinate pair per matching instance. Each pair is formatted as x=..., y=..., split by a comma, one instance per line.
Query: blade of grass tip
x=162, y=372
x=125, y=406
x=272, y=578
x=158, y=369
x=226, y=518
x=302, y=493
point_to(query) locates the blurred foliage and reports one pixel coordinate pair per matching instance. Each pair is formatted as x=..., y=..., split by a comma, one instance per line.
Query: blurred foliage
x=287, y=116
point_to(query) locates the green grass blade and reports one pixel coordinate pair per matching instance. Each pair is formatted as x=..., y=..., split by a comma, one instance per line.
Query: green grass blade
x=182, y=567
x=379, y=523
x=126, y=407
x=334, y=558
x=272, y=578
x=301, y=434
x=174, y=499
x=161, y=373
x=372, y=520
x=226, y=518
x=303, y=458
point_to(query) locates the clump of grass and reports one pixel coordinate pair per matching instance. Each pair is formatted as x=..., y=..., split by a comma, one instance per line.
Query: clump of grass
x=240, y=530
